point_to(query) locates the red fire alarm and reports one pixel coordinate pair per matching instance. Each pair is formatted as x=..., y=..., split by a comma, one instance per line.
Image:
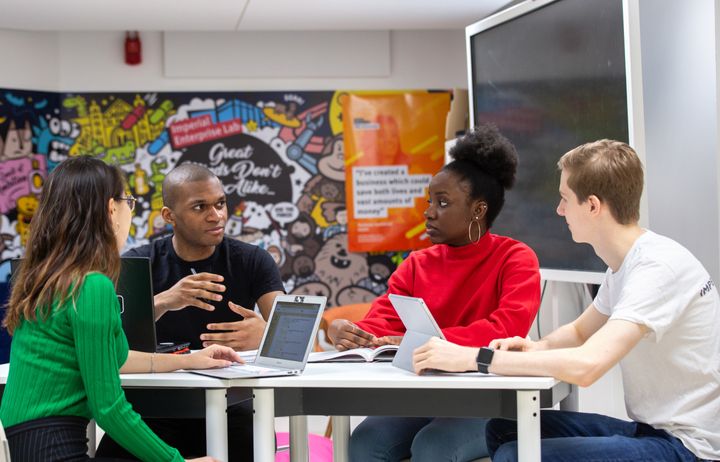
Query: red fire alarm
x=133, y=48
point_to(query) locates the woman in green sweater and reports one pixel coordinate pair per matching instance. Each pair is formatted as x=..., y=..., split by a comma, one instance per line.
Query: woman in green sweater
x=68, y=344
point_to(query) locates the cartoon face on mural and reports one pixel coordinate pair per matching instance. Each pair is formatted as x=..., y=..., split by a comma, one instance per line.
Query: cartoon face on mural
x=54, y=138
x=312, y=288
x=303, y=266
x=321, y=199
x=255, y=217
x=380, y=268
x=301, y=244
x=18, y=142
x=302, y=236
x=300, y=229
x=341, y=217
x=26, y=207
x=336, y=266
x=332, y=164
x=234, y=225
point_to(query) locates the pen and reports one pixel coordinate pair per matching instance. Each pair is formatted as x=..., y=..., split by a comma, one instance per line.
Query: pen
x=192, y=270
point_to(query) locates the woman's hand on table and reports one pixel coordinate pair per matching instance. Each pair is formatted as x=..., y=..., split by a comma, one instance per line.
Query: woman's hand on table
x=212, y=357
x=345, y=335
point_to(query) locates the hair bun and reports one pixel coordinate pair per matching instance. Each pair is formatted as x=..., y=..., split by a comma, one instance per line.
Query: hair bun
x=490, y=151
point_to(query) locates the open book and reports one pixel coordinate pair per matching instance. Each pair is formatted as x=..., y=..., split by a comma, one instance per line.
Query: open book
x=382, y=353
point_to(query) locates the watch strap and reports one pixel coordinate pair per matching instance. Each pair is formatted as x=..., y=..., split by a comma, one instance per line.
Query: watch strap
x=484, y=359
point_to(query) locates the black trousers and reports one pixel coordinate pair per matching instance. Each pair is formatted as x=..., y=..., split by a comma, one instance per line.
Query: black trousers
x=188, y=435
x=50, y=439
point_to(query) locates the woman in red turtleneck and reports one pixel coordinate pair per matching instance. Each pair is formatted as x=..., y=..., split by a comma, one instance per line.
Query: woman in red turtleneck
x=479, y=286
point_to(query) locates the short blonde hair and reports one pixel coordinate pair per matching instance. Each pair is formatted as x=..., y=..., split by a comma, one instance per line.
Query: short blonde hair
x=610, y=170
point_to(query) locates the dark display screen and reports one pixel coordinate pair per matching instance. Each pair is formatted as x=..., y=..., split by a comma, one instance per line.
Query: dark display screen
x=551, y=79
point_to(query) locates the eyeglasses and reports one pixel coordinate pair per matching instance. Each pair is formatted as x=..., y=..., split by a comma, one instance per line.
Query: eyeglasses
x=130, y=201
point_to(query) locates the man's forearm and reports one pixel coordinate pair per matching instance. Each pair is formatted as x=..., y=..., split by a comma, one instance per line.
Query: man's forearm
x=160, y=305
x=566, y=364
x=565, y=336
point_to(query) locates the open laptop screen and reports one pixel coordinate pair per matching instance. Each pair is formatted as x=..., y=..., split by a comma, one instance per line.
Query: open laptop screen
x=290, y=330
x=135, y=295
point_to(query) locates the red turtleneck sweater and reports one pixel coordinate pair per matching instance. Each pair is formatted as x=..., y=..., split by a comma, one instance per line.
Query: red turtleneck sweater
x=477, y=292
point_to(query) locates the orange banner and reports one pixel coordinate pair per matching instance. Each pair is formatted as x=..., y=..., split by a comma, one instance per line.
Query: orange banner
x=394, y=144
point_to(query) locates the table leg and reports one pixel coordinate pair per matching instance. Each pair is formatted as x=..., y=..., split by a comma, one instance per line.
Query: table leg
x=264, y=424
x=528, y=422
x=572, y=401
x=216, y=423
x=298, y=439
x=340, y=437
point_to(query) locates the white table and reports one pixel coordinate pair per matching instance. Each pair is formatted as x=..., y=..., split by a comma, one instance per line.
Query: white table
x=380, y=389
x=350, y=389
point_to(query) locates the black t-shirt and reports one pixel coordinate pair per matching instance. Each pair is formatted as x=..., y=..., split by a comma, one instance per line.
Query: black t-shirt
x=249, y=272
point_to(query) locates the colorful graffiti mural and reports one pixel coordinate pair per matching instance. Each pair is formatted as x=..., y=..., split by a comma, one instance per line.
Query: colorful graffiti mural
x=279, y=154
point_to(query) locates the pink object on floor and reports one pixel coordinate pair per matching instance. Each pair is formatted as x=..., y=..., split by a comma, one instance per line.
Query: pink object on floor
x=321, y=449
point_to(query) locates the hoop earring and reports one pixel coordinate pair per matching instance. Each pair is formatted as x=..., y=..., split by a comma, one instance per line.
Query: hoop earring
x=475, y=220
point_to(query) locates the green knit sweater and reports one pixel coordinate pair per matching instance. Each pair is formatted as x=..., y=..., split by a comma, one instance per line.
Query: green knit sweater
x=68, y=365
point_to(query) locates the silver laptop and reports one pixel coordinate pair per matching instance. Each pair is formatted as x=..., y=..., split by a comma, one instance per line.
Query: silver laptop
x=419, y=324
x=289, y=336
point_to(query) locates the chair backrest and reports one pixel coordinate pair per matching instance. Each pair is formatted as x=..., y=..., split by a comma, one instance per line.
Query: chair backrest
x=4, y=447
x=350, y=312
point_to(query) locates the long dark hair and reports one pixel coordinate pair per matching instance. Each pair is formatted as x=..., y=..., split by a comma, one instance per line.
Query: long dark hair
x=71, y=235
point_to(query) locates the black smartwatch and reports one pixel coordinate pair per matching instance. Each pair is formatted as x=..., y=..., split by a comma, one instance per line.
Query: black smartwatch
x=484, y=358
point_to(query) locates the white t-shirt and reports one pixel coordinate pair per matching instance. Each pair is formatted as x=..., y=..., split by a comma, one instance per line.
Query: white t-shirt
x=672, y=376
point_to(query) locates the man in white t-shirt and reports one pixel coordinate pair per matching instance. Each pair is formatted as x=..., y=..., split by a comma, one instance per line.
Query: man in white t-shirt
x=657, y=313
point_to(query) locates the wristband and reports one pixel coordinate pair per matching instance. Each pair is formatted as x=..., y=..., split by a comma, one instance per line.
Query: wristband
x=484, y=358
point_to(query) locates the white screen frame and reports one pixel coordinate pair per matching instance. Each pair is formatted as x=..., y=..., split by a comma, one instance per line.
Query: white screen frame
x=270, y=361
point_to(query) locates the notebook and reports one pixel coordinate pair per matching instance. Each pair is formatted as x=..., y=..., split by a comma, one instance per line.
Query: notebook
x=137, y=309
x=289, y=336
x=384, y=353
x=419, y=324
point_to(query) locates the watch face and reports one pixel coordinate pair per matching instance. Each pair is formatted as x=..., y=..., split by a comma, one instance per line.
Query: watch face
x=485, y=355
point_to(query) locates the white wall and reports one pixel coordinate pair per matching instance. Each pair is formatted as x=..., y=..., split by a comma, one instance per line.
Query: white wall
x=680, y=89
x=93, y=61
x=717, y=83
x=29, y=60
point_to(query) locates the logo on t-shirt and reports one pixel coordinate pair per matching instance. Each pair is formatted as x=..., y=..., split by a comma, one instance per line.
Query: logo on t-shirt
x=707, y=287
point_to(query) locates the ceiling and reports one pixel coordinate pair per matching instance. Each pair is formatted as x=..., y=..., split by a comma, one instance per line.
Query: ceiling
x=242, y=15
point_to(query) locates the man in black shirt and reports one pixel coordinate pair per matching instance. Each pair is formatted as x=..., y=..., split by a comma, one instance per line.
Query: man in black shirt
x=205, y=287
x=204, y=282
